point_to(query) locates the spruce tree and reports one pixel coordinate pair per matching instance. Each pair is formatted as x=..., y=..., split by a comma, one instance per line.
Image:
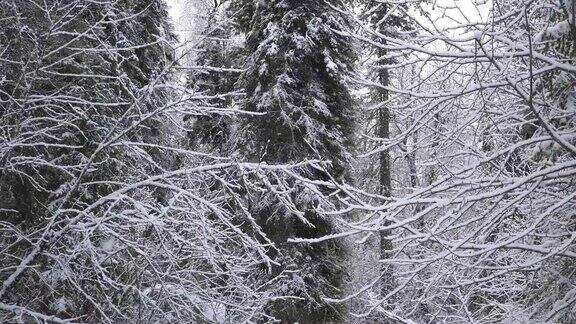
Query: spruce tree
x=215, y=75
x=73, y=76
x=295, y=82
x=76, y=88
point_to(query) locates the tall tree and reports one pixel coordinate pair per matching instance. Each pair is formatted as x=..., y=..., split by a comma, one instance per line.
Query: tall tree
x=215, y=73
x=295, y=82
x=86, y=82
x=216, y=70
x=381, y=96
x=387, y=20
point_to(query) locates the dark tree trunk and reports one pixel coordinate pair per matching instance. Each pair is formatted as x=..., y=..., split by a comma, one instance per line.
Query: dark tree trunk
x=385, y=179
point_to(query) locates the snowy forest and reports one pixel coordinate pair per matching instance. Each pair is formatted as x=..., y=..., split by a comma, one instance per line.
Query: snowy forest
x=287, y=161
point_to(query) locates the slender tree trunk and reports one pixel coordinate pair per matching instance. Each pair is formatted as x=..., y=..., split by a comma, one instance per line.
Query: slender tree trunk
x=385, y=180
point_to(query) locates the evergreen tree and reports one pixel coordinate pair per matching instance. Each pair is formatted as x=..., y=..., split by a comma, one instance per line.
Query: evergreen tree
x=74, y=76
x=79, y=89
x=215, y=75
x=243, y=12
x=295, y=82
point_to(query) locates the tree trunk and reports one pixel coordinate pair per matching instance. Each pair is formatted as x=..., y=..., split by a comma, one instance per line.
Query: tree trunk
x=385, y=181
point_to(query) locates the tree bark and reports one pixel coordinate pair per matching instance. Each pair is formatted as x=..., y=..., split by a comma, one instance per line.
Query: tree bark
x=385, y=178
